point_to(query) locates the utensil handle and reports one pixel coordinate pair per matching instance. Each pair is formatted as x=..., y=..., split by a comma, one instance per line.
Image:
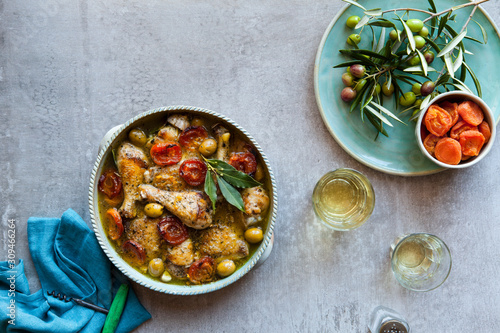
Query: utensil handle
x=116, y=309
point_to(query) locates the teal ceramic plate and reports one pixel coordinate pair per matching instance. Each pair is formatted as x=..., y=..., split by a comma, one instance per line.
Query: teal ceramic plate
x=397, y=154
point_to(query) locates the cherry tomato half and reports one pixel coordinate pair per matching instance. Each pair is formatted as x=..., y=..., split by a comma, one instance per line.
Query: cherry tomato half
x=173, y=231
x=193, y=172
x=110, y=183
x=193, y=136
x=134, y=251
x=166, y=153
x=244, y=162
x=202, y=270
x=115, y=224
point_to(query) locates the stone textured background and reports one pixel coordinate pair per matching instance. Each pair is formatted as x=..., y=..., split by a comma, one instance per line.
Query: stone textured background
x=71, y=70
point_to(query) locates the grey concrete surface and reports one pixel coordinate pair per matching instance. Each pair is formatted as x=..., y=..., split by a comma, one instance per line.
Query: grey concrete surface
x=71, y=70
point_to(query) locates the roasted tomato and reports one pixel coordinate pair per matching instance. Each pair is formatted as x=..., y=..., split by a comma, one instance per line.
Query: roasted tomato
x=110, y=183
x=173, y=231
x=166, y=153
x=244, y=162
x=115, y=224
x=193, y=136
x=202, y=270
x=193, y=172
x=134, y=251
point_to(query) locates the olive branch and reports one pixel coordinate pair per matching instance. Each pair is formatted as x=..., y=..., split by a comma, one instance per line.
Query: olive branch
x=407, y=58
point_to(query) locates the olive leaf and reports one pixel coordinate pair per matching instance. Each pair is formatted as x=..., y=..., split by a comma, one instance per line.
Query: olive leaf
x=362, y=22
x=474, y=78
x=230, y=194
x=483, y=31
x=374, y=12
x=387, y=112
x=379, y=115
x=211, y=189
x=233, y=176
x=383, y=23
x=423, y=62
x=454, y=42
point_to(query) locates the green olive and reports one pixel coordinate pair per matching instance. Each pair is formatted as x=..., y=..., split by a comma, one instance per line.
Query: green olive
x=407, y=99
x=416, y=88
x=348, y=79
x=197, y=122
x=418, y=102
x=153, y=210
x=360, y=85
x=387, y=90
x=226, y=268
x=419, y=41
x=354, y=39
x=424, y=32
x=394, y=34
x=208, y=147
x=352, y=21
x=415, y=25
x=259, y=173
x=137, y=137
x=378, y=88
x=156, y=267
x=254, y=235
x=414, y=61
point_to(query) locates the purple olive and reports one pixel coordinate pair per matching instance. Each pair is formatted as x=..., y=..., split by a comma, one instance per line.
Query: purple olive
x=358, y=70
x=429, y=57
x=348, y=94
x=348, y=79
x=427, y=88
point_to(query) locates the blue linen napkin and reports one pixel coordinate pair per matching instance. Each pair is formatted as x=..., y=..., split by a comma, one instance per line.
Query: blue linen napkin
x=68, y=260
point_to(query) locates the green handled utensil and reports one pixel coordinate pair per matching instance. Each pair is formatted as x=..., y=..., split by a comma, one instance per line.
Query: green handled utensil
x=116, y=309
x=113, y=314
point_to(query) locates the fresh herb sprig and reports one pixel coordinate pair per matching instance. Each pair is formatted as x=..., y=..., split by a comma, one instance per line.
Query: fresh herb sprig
x=406, y=58
x=227, y=178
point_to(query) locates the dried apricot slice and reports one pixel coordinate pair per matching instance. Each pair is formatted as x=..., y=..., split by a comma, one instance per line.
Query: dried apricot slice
x=430, y=143
x=485, y=130
x=471, y=142
x=471, y=112
x=437, y=120
x=452, y=109
x=448, y=151
x=460, y=127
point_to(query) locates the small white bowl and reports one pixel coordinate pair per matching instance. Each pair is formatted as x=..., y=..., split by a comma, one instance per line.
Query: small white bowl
x=458, y=96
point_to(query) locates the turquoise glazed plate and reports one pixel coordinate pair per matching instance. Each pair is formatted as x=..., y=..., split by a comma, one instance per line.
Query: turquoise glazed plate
x=397, y=154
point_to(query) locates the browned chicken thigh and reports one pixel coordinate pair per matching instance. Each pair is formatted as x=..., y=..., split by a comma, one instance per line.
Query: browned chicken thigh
x=191, y=207
x=144, y=230
x=224, y=242
x=132, y=163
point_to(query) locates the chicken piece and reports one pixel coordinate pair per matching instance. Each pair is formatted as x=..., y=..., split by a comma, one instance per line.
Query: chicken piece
x=222, y=136
x=256, y=202
x=191, y=207
x=165, y=178
x=179, y=120
x=168, y=133
x=144, y=230
x=222, y=242
x=179, y=272
x=182, y=254
x=132, y=163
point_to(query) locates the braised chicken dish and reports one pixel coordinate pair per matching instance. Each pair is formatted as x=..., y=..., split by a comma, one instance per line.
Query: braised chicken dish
x=186, y=203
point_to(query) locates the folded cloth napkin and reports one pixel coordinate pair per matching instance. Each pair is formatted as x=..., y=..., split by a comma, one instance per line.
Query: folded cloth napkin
x=70, y=261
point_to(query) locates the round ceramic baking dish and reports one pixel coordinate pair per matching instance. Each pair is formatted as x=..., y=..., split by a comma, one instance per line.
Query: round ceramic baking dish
x=119, y=133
